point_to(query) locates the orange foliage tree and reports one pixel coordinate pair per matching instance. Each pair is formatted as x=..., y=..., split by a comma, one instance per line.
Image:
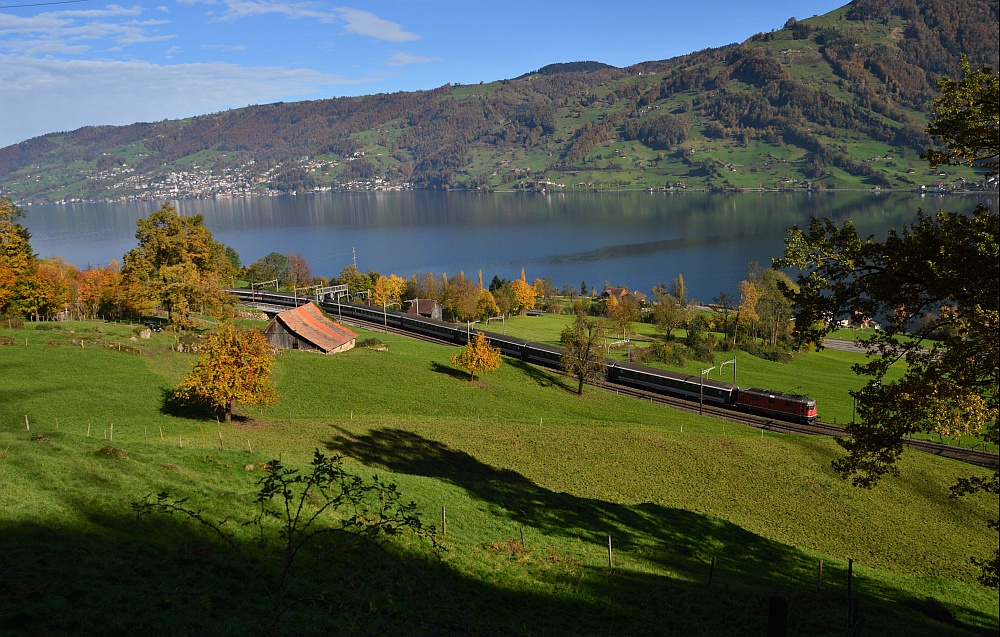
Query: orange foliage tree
x=236, y=367
x=478, y=356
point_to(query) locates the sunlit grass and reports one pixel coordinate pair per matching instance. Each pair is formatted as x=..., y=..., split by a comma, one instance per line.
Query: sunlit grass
x=515, y=455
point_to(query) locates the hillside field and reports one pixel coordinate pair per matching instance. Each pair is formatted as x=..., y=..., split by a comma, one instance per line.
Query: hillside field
x=534, y=479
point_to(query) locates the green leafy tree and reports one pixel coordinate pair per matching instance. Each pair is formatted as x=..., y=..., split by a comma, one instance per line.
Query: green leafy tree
x=967, y=119
x=584, y=357
x=178, y=265
x=668, y=312
x=270, y=267
x=773, y=309
x=936, y=284
x=236, y=367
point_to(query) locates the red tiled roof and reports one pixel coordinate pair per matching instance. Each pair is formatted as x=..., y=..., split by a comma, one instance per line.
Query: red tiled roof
x=308, y=323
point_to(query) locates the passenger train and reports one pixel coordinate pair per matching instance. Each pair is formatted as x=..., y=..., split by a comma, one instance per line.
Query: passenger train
x=760, y=401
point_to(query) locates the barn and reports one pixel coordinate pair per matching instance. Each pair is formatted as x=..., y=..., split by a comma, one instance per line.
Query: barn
x=306, y=328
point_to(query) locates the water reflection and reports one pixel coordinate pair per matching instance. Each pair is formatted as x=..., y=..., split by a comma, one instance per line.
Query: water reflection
x=637, y=239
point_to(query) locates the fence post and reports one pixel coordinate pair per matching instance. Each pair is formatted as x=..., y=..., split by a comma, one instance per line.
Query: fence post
x=611, y=563
x=711, y=571
x=777, y=616
x=819, y=577
x=850, y=592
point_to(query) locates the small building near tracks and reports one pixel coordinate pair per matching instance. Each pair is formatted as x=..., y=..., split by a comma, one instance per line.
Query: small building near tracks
x=306, y=328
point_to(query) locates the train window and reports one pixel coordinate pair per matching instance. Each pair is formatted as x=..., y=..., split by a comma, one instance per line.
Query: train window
x=770, y=400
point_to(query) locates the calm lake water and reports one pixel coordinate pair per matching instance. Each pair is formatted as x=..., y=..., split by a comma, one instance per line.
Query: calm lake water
x=635, y=239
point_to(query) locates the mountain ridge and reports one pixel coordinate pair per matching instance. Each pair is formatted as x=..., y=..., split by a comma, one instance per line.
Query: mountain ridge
x=833, y=101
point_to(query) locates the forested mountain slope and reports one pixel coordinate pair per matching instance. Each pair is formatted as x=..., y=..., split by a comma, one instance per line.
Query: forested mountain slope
x=834, y=101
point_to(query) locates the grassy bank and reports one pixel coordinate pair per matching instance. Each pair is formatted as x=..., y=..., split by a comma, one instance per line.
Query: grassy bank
x=533, y=479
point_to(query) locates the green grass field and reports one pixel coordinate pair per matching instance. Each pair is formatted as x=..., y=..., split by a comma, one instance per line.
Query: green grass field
x=533, y=479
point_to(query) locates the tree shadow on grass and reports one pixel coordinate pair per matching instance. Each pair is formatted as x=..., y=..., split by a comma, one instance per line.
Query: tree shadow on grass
x=448, y=370
x=180, y=406
x=99, y=570
x=675, y=540
x=542, y=377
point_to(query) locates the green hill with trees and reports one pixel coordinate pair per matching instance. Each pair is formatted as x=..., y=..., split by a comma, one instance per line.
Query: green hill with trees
x=834, y=101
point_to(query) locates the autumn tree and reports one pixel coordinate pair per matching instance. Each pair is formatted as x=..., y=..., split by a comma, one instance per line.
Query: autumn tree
x=478, y=356
x=459, y=299
x=583, y=341
x=746, y=311
x=177, y=265
x=486, y=306
x=355, y=280
x=388, y=290
x=524, y=295
x=235, y=367
x=724, y=303
x=936, y=286
x=427, y=287
x=299, y=274
x=17, y=262
x=622, y=312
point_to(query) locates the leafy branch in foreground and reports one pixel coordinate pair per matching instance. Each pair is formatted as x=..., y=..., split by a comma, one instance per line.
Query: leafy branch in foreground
x=936, y=285
x=295, y=509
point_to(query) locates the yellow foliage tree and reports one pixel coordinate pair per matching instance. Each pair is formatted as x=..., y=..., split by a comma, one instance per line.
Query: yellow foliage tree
x=478, y=356
x=524, y=294
x=486, y=306
x=236, y=367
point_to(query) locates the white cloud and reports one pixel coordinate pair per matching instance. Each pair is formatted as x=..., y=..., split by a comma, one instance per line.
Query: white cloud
x=403, y=59
x=236, y=9
x=369, y=24
x=70, y=32
x=43, y=96
x=224, y=47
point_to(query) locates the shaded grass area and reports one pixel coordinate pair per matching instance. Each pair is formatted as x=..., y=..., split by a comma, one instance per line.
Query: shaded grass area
x=533, y=479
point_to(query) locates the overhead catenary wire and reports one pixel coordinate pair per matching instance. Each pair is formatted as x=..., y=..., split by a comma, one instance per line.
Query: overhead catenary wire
x=40, y=4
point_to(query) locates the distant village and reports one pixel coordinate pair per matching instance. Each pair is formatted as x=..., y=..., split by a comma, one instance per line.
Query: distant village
x=123, y=183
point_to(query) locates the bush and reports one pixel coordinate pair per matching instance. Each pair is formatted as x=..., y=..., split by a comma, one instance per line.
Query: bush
x=774, y=354
x=13, y=322
x=669, y=353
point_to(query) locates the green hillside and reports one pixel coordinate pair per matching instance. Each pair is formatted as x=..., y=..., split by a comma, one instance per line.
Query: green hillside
x=532, y=479
x=834, y=101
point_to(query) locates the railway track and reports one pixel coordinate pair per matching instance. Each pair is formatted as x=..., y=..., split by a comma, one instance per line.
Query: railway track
x=971, y=456
x=964, y=454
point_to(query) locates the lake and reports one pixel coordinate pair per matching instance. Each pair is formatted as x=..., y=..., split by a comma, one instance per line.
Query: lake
x=637, y=239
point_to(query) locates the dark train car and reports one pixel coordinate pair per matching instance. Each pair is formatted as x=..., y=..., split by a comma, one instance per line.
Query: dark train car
x=546, y=355
x=508, y=345
x=673, y=383
x=450, y=332
x=777, y=404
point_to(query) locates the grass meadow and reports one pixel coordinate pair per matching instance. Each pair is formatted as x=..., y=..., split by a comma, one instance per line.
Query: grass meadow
x=532, y=480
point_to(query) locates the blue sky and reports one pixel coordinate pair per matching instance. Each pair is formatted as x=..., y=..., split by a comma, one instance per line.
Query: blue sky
x=64, y=65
